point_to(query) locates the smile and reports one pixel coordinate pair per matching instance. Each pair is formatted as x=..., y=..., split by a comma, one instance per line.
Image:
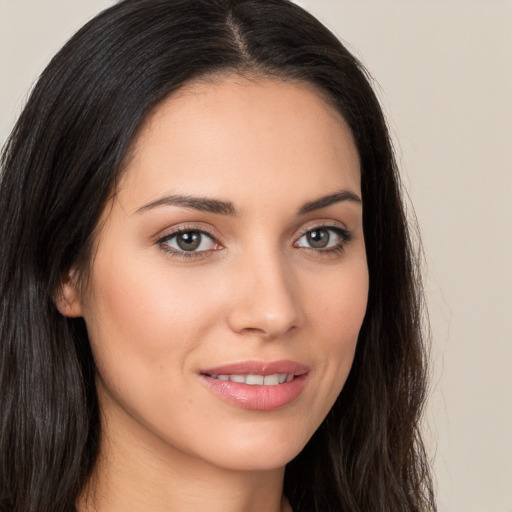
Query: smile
x=257, y=385
x=257, y=380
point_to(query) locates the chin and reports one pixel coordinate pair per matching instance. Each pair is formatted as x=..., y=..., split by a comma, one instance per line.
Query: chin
x=258, y=451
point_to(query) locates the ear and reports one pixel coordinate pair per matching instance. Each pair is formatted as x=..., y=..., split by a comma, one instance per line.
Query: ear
x=67, y=296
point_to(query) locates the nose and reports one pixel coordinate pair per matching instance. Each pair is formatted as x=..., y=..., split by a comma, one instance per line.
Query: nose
x=264, y=297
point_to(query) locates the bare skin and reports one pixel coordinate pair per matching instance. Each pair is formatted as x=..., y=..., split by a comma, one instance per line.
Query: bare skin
x=278, y=273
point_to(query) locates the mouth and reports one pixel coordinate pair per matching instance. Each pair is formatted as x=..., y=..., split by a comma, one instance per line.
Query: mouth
x=257, y=380
x=257, y=385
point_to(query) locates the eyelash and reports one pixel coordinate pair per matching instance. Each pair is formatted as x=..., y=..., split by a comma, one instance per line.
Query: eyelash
x=344, y=235
x=181, y=253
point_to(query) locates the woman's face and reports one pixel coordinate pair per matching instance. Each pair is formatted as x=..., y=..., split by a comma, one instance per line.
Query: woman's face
x=230, y=259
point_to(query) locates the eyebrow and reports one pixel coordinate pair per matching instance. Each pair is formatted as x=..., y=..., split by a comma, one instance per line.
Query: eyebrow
x=203, y=204
x=323, y=202
x=217, y=206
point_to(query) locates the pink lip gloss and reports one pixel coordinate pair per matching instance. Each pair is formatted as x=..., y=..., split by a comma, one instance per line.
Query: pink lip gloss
x=257, y=385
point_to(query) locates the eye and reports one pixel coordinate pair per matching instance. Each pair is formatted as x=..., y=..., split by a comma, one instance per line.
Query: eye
x=324, y=238
x=188, y=241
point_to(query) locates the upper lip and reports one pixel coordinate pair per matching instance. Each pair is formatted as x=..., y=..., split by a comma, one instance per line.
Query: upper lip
x=258, y=368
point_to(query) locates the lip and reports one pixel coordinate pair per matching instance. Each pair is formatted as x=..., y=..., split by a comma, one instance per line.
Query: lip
x=257, y=368
x=257, y=397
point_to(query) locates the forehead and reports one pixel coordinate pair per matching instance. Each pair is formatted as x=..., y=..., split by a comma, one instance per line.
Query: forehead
x=229, y=135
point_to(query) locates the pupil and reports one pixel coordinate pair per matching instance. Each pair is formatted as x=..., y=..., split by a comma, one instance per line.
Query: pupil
x=189, y=241
x=319, y=238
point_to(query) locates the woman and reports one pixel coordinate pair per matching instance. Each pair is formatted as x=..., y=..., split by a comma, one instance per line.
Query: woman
x=197, y=310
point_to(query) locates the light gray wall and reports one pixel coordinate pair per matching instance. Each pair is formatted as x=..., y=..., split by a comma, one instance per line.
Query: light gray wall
x=445, y=75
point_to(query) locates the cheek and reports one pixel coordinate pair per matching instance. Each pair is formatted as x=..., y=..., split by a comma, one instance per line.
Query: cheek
x=336, y=315
x=139, y=305
x=145, y=325
x=142, y=324
x=338, y=306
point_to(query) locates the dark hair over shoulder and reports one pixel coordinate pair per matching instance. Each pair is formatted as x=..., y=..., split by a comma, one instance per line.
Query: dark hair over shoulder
x=58, y=168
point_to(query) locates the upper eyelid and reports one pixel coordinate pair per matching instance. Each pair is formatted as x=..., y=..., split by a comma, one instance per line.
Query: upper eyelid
x=169, y=233
x=335, y=225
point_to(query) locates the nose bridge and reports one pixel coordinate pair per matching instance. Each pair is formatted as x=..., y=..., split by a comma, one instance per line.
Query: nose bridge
x=264, y=301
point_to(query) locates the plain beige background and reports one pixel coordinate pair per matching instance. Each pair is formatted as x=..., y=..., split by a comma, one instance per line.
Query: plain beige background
x=444, y=71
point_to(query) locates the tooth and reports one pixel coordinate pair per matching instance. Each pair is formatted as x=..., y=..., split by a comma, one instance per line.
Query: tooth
x=254, y=380
x=271, y=380
x=257, y=380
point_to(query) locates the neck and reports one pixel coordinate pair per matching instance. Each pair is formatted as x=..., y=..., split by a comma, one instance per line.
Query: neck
x=135, y=471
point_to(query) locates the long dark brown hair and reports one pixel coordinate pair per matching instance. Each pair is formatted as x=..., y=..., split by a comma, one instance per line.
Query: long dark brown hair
x=58, y=167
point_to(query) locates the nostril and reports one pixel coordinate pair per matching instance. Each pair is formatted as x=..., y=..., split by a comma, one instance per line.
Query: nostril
x=270, y=332
x=263, y=302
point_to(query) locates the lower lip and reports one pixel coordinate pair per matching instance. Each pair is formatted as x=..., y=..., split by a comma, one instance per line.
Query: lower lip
x=260, y=398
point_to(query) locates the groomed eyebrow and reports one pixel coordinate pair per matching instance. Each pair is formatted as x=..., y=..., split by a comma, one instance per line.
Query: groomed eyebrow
x=203, y=204
x=323, y=202
x=217, y=206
